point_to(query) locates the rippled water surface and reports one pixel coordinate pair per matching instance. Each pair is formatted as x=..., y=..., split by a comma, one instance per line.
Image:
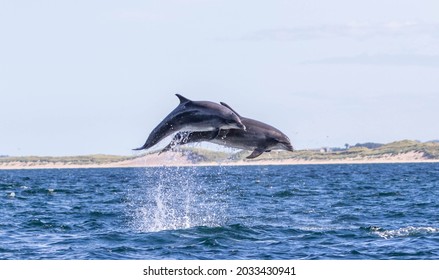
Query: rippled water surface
x=369, y=211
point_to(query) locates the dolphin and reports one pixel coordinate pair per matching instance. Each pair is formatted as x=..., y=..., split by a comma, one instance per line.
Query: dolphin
x=258, y=136
x=194, y=116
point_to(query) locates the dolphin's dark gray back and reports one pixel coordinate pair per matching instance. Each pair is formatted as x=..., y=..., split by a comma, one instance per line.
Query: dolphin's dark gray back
x=200, y=114
x=167, y=126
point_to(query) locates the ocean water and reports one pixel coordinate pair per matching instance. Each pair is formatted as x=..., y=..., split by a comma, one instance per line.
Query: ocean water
x=368, y=211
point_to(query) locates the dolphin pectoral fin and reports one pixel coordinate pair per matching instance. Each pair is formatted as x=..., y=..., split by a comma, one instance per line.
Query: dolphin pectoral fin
x=215, y=134
x=257, y=152
x=182, y=98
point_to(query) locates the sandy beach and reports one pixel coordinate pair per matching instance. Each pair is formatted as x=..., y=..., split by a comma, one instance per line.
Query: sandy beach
x=177, y=159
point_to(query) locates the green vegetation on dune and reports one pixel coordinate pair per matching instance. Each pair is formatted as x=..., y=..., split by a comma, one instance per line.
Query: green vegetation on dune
x=428, y=150
x=88, y=159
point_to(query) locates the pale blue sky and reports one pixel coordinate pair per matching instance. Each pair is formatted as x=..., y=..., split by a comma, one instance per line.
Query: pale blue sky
x=87, y=77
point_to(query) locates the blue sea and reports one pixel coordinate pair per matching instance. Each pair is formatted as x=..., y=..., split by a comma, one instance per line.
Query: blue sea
x=364, y=211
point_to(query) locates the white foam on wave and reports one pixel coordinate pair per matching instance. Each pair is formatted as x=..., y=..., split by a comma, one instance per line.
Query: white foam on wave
x=405, y=231
x=177, y=198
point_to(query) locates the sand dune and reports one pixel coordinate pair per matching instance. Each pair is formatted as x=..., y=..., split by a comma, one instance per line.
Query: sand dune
x=179, y=159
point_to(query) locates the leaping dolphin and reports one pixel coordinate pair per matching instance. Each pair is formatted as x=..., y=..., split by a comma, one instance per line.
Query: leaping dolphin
x=258, y=136
x=194, y=116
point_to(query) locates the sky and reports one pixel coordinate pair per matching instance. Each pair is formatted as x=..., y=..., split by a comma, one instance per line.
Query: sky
x=96, y=76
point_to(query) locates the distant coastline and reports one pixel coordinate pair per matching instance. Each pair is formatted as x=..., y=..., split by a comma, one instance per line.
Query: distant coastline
x=406, y=151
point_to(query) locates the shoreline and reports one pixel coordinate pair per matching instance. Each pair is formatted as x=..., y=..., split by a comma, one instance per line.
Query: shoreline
x=404, y=151
x=179, y=161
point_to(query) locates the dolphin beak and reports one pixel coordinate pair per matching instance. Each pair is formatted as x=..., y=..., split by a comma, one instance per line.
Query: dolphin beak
x=241, y=126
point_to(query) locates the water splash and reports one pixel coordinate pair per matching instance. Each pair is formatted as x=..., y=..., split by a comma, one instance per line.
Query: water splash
x=180, y=139
x=177, y=198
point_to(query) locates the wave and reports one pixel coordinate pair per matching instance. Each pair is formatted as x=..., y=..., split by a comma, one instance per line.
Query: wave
x=404, y=232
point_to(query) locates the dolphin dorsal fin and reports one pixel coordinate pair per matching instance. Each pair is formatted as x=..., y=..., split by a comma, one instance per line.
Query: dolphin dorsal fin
x=225, y=105
x=182, y=98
